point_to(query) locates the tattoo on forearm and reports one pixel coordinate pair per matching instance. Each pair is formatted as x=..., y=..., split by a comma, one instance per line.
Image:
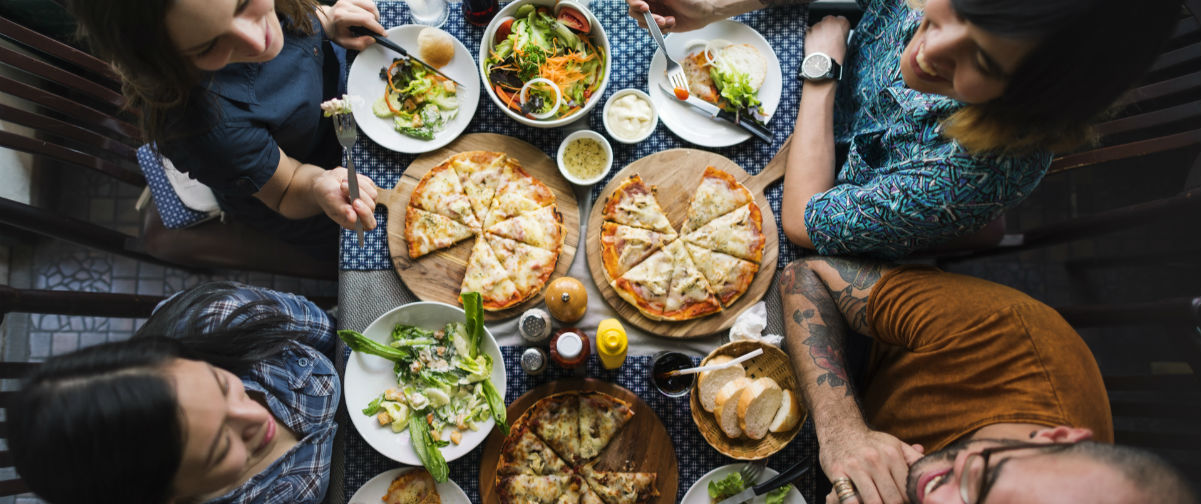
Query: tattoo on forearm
x=823, y=323
x=860, y=277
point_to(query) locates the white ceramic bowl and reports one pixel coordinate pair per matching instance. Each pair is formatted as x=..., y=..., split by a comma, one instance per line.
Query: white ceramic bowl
x=640, y=94
x=604, y=145
x=598, y=37
x=367, y=376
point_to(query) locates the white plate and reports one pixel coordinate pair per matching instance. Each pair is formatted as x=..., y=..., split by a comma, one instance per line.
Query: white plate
x=691, y=124
x=699, y=492
x=367, y=376
x=364, y=81
x=372, y=492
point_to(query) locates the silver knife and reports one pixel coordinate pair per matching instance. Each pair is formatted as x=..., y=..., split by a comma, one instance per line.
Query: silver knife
x=779, y=480
x=362, y=31
x=751, y=126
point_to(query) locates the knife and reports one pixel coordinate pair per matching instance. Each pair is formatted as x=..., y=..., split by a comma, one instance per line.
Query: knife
x=778, y=481
x=754, y=127
x=363, y=31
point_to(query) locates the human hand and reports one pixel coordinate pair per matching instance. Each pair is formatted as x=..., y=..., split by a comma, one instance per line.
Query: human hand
x=332, y=190
x=876, y=463
x=829, y=36
x=676, y=15
x=338, y=18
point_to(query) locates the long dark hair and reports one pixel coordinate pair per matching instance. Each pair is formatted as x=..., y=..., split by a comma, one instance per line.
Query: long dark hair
x=1091, y=52
x=155, y=77
x=102, y=424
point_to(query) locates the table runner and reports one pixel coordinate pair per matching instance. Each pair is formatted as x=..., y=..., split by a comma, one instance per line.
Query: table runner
x=694, y=456
x=631, y=48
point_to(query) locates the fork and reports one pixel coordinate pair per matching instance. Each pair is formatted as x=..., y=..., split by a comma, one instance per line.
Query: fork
x=751, y=471
x=675, y=72
x=347, y=134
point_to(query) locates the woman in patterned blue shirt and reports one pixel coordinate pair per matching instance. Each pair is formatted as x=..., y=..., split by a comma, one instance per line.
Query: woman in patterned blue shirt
x=226, y=395
x=947, y=113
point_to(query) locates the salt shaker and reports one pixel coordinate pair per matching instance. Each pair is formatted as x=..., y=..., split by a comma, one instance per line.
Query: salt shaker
x=534, y=326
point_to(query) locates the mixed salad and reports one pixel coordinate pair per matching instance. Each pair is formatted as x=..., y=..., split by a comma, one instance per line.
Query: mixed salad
x=419, y=101
x=442, y=383
x=732, y=484
x=544, y=66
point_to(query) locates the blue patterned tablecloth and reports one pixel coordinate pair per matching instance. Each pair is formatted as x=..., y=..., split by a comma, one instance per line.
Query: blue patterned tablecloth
x=694, y=455
x=632, y=49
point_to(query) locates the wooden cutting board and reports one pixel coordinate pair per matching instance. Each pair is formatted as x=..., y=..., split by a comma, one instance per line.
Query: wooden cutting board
x=677, y=173
x=641, y=446
x=437, y=276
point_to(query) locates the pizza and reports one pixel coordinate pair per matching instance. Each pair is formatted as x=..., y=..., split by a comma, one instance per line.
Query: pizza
x=701, y=270
x=512, y=215
x=413, y=487
x=548, y=456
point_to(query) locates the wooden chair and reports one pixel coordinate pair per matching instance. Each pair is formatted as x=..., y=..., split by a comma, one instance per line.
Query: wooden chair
x=70, y=102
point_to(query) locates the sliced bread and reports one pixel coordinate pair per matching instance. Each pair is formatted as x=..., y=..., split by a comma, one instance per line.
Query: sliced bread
x=725, y=408
x=757, y=407
x=788, y=415
x=747, y=59
x=710, y=382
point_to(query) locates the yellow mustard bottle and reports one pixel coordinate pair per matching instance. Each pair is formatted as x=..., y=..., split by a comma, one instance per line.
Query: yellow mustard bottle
x=611, y=343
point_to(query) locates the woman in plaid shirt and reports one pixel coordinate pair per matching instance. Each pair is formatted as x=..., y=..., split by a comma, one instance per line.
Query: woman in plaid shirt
x=227, y=395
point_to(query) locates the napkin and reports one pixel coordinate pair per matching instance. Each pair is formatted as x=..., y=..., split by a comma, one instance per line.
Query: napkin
x=750, y=324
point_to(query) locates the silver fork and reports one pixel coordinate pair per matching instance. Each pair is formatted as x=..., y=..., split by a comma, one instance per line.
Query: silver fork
x=675, y=72
x=751, y=471
x=347, y=133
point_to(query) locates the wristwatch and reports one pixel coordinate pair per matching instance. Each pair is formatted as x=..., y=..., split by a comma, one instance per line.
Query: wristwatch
x=819, y=67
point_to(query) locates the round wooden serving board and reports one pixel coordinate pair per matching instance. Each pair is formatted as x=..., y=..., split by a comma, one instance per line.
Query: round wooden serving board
x=641, y=446
x=438, y=276
x=676, y=174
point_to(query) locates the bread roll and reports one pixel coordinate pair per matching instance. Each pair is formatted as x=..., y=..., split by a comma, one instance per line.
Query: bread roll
x=757, y=407
x=711, y=381
x=788, y=415
x=435, y=46
x=725, y=408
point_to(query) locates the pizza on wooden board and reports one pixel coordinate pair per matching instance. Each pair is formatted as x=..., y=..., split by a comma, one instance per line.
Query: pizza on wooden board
x=682, y=276
x=548, y=454
x=518, y=229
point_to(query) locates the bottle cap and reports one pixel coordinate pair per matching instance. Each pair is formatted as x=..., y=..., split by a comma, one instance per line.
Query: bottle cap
x=534, y=325
x=569, y=345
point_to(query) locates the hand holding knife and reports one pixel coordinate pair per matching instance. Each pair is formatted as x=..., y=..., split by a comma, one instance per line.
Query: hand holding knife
x=381, y=40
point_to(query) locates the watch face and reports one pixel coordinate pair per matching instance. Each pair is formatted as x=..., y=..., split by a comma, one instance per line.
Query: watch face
x=815, y=65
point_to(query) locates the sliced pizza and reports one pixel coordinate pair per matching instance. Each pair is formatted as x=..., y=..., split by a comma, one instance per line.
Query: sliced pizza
x=481, y=173
x=487, y=276
x=542, y=228
x=718, y=194
x=521, y=194
x=729, y=277
x=738, y=233
x=621, y=487
x=439, y=191
x=529, y=267
x=601, y=417
x=646, y=285
x=690, y=296
x=426, y=232
x=633, y=204
x=556, y=419
x=534, y=489
x=524, y=453
x=623, y=247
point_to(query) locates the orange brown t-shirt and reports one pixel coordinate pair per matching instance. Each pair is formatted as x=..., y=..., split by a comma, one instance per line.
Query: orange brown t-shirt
x=955, y=353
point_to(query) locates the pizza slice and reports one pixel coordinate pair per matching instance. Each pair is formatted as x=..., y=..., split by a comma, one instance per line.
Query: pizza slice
x=646, y=285
x=542, y=228
x=633, y=204
x=738, y=233
x=623, y=247
x=534, y=489
x=521, y=194
x=486, y=276
x=621, y=487
x=524, y=453
x=481, y=173
x=718, y=194
x=439, y=191
x=426, y=232
x=728, y=276
x=690, y=296
x=529, y=267
x=601, y=417
x=557, y=421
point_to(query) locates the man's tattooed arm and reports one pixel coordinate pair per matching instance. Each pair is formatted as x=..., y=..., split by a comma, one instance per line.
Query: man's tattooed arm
x=814, y=327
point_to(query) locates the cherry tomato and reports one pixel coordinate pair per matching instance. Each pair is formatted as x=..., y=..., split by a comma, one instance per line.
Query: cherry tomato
x=681, y=93
x=574, y=19
x=503, y=30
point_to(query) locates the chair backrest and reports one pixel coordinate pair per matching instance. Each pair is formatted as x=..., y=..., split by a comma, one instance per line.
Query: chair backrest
x=10, y=373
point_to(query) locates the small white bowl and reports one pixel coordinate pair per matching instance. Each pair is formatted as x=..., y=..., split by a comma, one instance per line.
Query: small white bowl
x=609, y=105
x=604, y=145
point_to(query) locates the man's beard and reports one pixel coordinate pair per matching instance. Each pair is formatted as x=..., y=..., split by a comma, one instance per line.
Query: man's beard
x=949, y=452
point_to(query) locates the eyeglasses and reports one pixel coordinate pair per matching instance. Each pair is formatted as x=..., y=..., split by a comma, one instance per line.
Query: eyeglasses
x=974, y=482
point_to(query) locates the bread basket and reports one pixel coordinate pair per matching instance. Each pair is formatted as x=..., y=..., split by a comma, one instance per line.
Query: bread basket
x=773, y=363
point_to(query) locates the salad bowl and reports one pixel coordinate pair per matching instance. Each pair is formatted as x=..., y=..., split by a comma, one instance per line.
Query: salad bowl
x=503, y=22
x=367, y=376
